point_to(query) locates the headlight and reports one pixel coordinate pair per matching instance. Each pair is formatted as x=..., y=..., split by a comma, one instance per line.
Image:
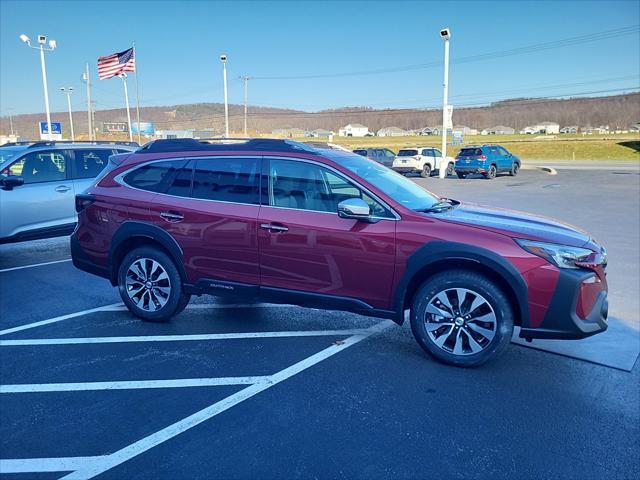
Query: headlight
x=562, y=256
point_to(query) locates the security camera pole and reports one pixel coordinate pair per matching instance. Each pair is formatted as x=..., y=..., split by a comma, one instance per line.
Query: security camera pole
x=123, y=76
x=223, y=59
x=87, y=79
x=42, y=39
x=245, y=79
x=445, y=33
x=68, y=92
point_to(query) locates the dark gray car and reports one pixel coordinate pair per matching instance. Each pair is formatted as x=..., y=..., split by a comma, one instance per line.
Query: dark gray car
x=380, y=155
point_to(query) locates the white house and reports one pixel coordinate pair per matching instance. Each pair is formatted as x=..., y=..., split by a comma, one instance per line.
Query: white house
x=465, y=130
x=548, y=127
x=430, y=131
x=353, y=130
x=498, y=130
x=392, y=132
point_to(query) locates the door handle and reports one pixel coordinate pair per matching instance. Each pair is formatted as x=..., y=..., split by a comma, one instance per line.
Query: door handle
x=62, y=189
x=272, y=227
x=172, y=216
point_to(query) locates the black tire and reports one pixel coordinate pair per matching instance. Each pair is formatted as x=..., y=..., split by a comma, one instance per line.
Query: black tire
x=450, y=170
x=492, y=173
x=515, y=168
x=461, y=175
x=424, y=324
x=175, y=300
x=426, y=171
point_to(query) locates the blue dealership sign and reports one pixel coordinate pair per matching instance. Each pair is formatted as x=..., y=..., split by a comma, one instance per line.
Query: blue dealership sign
x=56, y=128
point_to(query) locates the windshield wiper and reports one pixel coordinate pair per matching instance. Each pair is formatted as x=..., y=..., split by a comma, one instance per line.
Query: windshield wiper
x=441, y=206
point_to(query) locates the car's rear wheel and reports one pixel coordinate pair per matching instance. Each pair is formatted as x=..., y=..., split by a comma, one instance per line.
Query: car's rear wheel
x=150, y=285
x=515, y=168
x=450, y=170
x=461, y=175
x=461, y=318
x=491, y=173
x=426, y=171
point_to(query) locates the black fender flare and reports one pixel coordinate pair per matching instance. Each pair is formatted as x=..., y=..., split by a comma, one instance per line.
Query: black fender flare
x=132, y=229
x=438, y=250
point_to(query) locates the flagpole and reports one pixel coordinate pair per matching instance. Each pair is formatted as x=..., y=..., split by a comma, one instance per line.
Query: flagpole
x=137, y=93
x=123, y=76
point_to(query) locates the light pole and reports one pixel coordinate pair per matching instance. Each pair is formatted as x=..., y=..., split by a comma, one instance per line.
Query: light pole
x=68, y=92
x=245, y=79
x=445, y=34
x=11, y=122
x=42, y=40
x=87, y=79
x=223, y=59
x=123, y=76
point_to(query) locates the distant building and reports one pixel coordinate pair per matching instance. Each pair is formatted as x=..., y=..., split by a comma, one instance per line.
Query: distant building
x=498, y=130
x=354, y=130
x=548, y=127
x=571, y=129
x=465, y=130
x=10, y=139
x=635, y=127
x=430, y=131
x=115, y=127
x=173, y=134
x=392, y=132
x=530, y=130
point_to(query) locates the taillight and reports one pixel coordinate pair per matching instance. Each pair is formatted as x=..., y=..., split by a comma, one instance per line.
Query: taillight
x=84, y=200
x=482, y=157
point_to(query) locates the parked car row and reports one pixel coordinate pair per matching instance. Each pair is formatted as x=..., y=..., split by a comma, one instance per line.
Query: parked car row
x=487, y=160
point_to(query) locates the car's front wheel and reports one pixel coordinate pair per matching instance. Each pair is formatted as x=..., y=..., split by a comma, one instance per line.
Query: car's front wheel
x=461, y=318
x=150, y=285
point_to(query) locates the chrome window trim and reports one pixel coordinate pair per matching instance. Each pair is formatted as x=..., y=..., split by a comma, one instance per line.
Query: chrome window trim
x=341, y=175
x=120, y=180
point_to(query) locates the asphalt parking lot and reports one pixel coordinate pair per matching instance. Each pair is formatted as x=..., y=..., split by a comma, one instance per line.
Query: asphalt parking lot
x=253, y=391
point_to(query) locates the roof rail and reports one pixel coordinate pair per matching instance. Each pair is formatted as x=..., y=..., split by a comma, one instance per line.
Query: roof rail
x=15, y=144
x=217, y=144
x=45, y=143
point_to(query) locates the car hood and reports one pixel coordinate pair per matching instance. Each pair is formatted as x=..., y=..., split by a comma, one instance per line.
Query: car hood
x=516, y=224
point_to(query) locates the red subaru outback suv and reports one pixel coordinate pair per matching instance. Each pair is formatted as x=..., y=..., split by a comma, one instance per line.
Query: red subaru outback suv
x=283, y=222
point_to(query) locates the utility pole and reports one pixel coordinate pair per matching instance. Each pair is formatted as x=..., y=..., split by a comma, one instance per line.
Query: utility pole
x=87, y=79
x=223, y=59
x=245, y=80
x=11, y=122
x=445, y=33
x=68, y=92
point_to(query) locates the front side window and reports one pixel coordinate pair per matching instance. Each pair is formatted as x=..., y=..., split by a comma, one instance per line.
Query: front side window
x=427, y=152
x=39, y=167
x=155, y=177
x=503, y=152
x=227, y=179
x=89, y=163
x=306, y=186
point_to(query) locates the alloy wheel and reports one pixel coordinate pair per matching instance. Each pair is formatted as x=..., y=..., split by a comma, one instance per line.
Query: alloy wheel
x=460, y=321
x=147, y=284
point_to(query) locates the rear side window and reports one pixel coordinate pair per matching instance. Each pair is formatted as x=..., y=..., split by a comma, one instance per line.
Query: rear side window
x=407, y=153
x=470, y=152
x=89, y=163
x=155, y=177
x=227, y=179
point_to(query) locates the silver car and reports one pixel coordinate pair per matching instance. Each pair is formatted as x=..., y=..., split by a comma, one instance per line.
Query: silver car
x=39, y=181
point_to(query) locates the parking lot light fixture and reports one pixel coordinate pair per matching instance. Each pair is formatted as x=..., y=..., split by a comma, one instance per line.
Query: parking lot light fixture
x=42, y=41
x=445, y=34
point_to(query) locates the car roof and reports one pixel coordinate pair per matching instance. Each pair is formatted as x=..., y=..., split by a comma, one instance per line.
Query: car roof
x=186, y=145
x=65, y=145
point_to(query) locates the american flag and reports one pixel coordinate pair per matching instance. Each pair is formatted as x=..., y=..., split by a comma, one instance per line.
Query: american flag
x=116, y=64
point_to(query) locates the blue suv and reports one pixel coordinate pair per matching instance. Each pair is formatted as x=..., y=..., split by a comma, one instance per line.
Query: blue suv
x=489, y=160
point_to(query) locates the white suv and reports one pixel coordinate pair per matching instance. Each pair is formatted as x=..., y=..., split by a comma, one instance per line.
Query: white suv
x=424, y=160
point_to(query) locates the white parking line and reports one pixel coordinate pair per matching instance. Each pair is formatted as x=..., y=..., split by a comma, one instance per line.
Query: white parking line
x=32, y=465
x=131, y=384
x=34, y=265
x=178, y=338
x=89, y=467
x=20, y=328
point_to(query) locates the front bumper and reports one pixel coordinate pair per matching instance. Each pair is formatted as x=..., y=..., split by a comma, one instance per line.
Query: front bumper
x=579, y=307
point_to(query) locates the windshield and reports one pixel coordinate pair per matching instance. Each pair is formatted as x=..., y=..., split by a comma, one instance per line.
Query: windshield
x=396, y=186
x=407, y=153
x=470, y=152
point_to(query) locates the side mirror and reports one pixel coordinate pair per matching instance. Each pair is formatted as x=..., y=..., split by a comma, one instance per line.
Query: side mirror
x=11, y=181
x=356, y=209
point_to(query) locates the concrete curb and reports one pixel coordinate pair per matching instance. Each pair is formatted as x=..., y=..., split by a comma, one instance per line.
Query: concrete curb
x=549, y=170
